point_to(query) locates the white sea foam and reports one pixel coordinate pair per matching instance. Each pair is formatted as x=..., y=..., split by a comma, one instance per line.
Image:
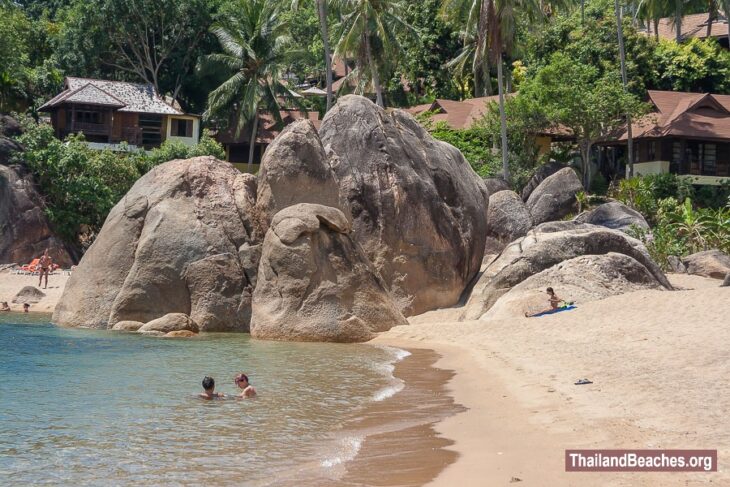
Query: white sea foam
x=347, y=450
x=396, y=385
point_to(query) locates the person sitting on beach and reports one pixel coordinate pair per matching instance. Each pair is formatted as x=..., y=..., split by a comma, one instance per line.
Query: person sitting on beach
x=554, y=303
x=26, y=307
x=4, y=306
x=46, y=264
x=241, y=381
x=209, y=388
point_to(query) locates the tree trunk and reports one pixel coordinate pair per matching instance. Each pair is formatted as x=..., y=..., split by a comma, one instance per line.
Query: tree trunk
x=710, y=19
x=503, y=122
x=252, y=142
x=678, y=20
x=624, y=81
x=585, y=154
x=656, y=29
x=374, y=73
x=322, y=11
x=582, y=12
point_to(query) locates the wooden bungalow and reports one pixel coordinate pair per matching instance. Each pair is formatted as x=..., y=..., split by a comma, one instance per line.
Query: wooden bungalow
x=110, y=112
x=686, y=134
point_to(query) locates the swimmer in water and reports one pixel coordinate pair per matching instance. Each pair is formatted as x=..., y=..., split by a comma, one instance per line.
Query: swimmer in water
x=209, y=388
x=241, y=381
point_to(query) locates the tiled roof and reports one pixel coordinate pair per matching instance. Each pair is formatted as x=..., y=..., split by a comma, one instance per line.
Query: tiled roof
x=694, y=25
x=679, y=114
x=129, y=97
x=267, y=131
x=457, y=114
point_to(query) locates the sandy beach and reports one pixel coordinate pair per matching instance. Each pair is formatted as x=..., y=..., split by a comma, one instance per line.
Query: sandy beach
x=658, y=362
x=11, y=284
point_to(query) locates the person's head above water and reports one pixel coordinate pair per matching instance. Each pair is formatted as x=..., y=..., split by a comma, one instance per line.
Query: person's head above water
x=208, y=383
x=241, y=380
x=26, y=307
x=550, y=290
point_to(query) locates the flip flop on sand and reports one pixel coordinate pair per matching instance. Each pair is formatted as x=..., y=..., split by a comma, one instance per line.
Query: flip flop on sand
x=581, y=382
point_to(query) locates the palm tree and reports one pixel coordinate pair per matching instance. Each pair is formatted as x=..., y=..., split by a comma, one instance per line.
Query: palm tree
x=622, y=57
x=321, y=6
x=369, y=30
x=472, y=15
x=255, y=49
x=726, y=9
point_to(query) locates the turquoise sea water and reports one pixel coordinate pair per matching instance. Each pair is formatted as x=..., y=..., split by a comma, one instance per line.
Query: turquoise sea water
x=85, y=407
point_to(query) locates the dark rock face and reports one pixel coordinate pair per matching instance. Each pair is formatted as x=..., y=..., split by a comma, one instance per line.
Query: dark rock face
x=554, y=198
x=180, y=241
x=614, y=215
x=538, y=251
x=316, y=284
x=24, y=229
x=708, y=263
x=507, y=217
x=295, y=169
x=540, y=175
x=418, y=209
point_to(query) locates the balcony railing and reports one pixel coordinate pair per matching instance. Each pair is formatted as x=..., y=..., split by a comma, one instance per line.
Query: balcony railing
x=90, y=128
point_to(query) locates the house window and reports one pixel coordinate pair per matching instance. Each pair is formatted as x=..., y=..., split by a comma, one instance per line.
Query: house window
x=181, y=127
x=652, y=150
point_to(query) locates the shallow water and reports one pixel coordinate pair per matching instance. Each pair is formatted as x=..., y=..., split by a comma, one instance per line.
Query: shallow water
x=85, y=407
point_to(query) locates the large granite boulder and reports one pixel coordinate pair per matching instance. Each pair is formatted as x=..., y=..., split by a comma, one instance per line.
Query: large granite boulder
x=580, y=279
x=507, y=218
x=127, y=325
x=24, y=227
x=542, y=173
x=708, y=263
x=548, y=245
x=418, y=208
x=295, y=169
x=554, y=198
x=178, y=242
x=9, y=127
x=614, y=215
x=315, y=283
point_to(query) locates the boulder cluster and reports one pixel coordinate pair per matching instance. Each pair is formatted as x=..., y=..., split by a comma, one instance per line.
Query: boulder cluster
x=346, y=231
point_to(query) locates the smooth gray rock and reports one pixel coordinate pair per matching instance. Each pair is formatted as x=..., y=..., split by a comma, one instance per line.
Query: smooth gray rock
x=507, y=218
x=316, y=284
x=580, y=279
x=171, y=245
x=726, y=281
x=554, y=198
x=127, y=326
x=495, y=185
x=676, y=265
x=29, y=294
x=543, y=172
x=170, y=322
x=708, y=263
x=538, y=251
x=418, y=209
x=614, y=215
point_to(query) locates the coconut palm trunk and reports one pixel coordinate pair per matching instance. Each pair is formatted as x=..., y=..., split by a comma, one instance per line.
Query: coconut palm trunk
x=678, y=19
x=503, y=121
x=322, y=12
x=374, y=73
x=624, y=81
x=252, y=142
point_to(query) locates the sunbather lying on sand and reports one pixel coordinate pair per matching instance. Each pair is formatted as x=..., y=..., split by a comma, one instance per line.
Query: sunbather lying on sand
x=554, y=303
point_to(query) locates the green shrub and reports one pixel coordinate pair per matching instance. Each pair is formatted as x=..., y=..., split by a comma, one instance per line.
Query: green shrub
x=81, y=185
